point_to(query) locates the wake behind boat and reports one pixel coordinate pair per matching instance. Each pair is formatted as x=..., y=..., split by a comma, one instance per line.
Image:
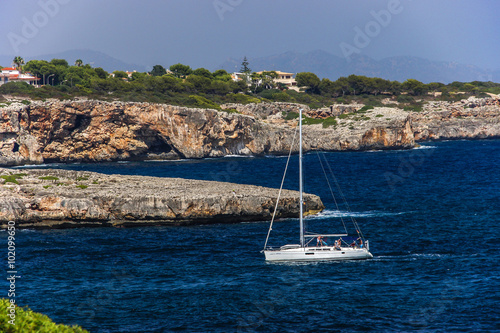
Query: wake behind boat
x=345, y=247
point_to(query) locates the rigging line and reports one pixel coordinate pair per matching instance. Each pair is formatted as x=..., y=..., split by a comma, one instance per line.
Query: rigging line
x=354, y=222
x=331, y=191
x=281, y=188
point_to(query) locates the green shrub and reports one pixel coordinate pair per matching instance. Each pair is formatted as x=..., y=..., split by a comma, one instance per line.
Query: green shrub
x=29, y=321
x=202, y=102
x=379, y=115
x=365, y=108
x=330, y=121
x=290, y=115
x=371, y=100
x=405, y=99
x=16, y=88
x=12, y=178
x=281, y=97
x=83, y=187
x=327, y=122
x=48, y=178
x=414, y=107
x=268, y=93
x=240, y=98
x=482, y=95
x=230, y=110
x=79, y=179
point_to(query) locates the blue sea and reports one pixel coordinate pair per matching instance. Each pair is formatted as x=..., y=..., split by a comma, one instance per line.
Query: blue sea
x=431, y=214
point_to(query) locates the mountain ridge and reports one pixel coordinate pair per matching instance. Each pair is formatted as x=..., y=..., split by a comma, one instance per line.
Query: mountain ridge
x=320, y=62
x=399, y=68
x=94, y=58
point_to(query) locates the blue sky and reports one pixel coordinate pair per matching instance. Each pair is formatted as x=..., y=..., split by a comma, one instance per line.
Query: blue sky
x=204, y=33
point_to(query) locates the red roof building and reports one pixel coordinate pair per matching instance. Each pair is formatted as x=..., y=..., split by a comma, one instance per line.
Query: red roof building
x=10, y=74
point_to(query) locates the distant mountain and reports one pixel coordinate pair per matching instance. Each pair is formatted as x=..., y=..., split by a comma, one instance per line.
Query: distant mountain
x=400, y=68
x=94, y=58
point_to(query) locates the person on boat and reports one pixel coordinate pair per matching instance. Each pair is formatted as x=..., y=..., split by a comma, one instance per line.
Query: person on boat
x=319, y=241
x=353, y=244
x=360, y=242
x=338, y=242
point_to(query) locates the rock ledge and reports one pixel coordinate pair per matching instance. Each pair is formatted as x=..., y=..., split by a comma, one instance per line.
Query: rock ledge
x=63, y=199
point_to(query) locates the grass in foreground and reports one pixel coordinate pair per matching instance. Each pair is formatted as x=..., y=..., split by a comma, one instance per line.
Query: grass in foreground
x=29, y=321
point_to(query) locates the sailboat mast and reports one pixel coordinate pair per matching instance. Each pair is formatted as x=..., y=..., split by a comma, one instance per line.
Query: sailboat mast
x=301, y=200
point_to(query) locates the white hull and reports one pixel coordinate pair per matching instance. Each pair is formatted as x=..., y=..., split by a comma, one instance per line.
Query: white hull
x=317, y=253
x=359, y=249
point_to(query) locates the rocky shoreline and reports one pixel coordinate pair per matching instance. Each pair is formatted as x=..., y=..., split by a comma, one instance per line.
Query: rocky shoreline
x=97, y=131
x=65, y=199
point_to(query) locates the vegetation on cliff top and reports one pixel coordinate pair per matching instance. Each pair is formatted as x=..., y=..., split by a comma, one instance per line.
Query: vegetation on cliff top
x=28, y=321
x=184, y=86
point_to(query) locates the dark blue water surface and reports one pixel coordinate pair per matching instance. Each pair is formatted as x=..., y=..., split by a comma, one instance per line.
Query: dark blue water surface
x=431, y=215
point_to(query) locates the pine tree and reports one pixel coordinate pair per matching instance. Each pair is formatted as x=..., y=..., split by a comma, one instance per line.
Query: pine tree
x=244, y=66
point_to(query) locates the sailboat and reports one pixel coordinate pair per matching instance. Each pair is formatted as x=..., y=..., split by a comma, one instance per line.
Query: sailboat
x=345, y=247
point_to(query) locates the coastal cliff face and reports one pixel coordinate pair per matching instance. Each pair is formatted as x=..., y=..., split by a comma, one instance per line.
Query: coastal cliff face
x=61, y=199
x=93, y=131
x=467, y=119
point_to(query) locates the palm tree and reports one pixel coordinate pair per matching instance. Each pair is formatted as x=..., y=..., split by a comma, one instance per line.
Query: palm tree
x=78, y=62
x=18, y=62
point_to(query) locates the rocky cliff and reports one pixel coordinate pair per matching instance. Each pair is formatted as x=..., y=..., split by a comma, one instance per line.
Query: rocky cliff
x=93, y=131
x=467, y=119
x=61, y=199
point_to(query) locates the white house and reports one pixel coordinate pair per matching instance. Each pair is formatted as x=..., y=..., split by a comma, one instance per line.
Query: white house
x=11, y=74
x=236, y=76
x=285, y=78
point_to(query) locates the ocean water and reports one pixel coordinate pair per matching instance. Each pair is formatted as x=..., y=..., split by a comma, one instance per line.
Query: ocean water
x=431, y=214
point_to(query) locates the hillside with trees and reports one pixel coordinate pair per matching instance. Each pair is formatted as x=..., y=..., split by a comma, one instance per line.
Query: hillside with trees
x=184, y=86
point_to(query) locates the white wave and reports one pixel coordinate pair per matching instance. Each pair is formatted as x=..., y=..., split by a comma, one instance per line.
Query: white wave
x=339, y=213
x=276, y=156
x=412, y=256
x=243, y=156
x=170, y=161
x=426, y=147
x=34, y=166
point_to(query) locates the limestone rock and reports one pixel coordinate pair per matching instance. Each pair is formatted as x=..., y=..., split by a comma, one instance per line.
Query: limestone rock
x=474, y=118
x=96, y=131
x=60, y=198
